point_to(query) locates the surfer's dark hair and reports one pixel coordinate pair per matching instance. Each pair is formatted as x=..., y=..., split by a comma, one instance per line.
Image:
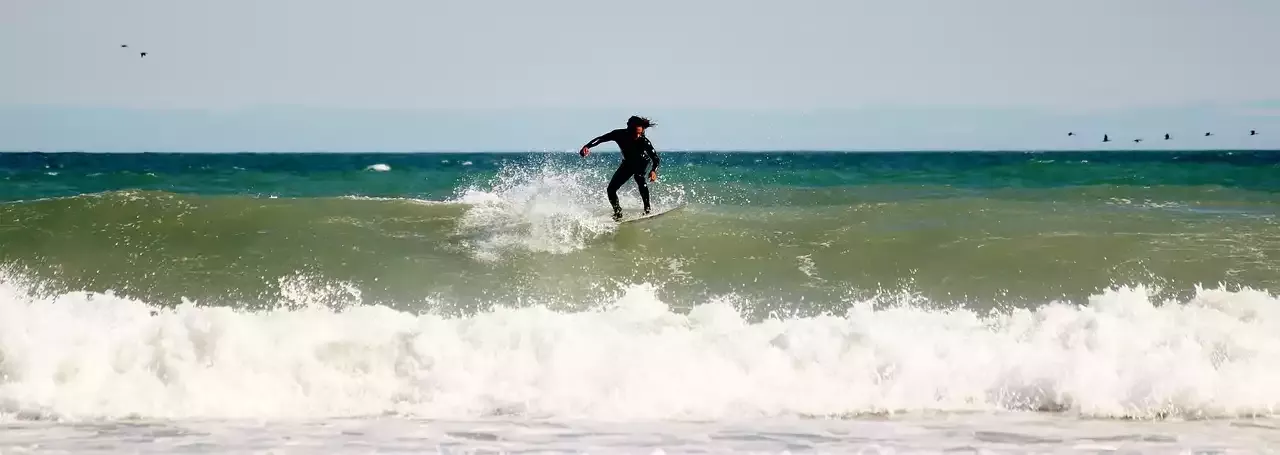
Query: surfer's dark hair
x=637, y=120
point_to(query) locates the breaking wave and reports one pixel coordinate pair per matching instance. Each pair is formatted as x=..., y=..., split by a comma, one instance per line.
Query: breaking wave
x=1122, y=355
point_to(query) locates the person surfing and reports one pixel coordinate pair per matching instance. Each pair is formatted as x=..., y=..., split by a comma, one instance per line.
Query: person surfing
x=637, y=156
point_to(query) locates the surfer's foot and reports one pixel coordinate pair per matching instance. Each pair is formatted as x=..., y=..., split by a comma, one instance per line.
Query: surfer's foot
x=646, y=210
x=617, y=214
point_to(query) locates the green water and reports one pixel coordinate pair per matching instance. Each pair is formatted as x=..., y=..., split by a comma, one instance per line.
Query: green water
x=787, y=232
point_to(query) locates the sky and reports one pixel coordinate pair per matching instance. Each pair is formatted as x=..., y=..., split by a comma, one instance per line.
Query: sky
x=399, y=75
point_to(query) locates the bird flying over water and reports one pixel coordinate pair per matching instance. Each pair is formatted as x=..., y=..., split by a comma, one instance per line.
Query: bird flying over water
x=1208, y=134
x=1166, y=136
x=1135, y=141
x=1106, y=138
x=1253, y=132
x=142, y=54
x=1071, y=134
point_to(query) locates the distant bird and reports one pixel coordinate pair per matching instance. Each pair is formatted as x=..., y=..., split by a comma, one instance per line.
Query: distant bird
x=124, y=45
x=1208, y=134
x=1135, y=141
x=1106, y=138
x=1253, y=132
x=1071, y=134
x=142, y=54
x=1166, y=136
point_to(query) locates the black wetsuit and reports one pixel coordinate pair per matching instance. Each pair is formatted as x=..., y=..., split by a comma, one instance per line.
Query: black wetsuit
x=637, y=155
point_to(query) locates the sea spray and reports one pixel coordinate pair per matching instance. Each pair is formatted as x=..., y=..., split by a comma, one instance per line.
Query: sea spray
x=539, y=206
x=546, y=206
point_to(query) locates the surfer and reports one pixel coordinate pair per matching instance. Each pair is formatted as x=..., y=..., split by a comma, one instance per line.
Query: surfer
x=637, y=155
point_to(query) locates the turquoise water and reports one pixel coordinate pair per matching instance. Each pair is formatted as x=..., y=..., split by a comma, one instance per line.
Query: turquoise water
x=437, y=176
x=1051, y=299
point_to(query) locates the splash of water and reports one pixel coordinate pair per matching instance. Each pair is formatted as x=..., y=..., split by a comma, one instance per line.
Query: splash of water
x=542, y=206
x=1123, y=355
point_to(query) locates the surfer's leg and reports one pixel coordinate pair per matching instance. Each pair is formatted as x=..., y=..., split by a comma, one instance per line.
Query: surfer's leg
x=644, y=191
x=619, y=178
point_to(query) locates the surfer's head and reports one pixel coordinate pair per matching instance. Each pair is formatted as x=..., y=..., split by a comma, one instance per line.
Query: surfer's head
x=639, y=124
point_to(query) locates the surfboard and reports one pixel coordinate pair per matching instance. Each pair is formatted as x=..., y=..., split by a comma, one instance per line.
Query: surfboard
x=651, y=215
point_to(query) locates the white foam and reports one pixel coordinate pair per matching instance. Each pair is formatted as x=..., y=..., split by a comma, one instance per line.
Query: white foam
x=808, y=268
x=380, y=167
x=974, y=433
x=397, y=199
x=546, y=208
x=92, y=355
x=541, y=209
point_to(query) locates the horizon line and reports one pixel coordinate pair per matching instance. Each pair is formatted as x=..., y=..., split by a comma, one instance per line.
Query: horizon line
x=615, y=152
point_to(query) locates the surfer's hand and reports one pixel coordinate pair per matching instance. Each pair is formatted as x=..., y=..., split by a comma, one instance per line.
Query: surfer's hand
x=584, y=152
x=653, y=176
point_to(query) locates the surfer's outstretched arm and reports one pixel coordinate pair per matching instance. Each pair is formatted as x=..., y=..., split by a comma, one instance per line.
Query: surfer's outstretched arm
x=606, y=137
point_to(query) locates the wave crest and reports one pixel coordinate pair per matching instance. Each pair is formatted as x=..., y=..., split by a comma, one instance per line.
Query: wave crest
x=1123, y=355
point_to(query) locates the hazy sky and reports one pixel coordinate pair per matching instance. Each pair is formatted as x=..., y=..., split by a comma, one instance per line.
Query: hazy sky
x=423, y=74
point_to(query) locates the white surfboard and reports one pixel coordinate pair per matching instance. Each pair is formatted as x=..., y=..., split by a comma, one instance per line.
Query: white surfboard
x=651, y=215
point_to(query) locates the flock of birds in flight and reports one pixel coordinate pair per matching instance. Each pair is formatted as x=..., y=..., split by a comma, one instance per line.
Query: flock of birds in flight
x=1107, y=138
x=140, y=54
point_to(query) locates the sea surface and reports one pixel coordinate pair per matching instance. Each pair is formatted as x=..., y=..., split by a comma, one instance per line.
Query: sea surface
x=795, y=302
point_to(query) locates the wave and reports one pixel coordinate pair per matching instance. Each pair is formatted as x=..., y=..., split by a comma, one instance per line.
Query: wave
x=544, y=208
x=536, y=207
x=543, y=231
x=1126, y=355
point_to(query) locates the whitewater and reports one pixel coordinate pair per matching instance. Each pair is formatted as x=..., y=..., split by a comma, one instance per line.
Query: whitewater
x=84, y=357
x=836, y=305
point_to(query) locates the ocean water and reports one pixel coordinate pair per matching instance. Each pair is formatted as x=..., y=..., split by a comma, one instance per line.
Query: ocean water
x=796, y=303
